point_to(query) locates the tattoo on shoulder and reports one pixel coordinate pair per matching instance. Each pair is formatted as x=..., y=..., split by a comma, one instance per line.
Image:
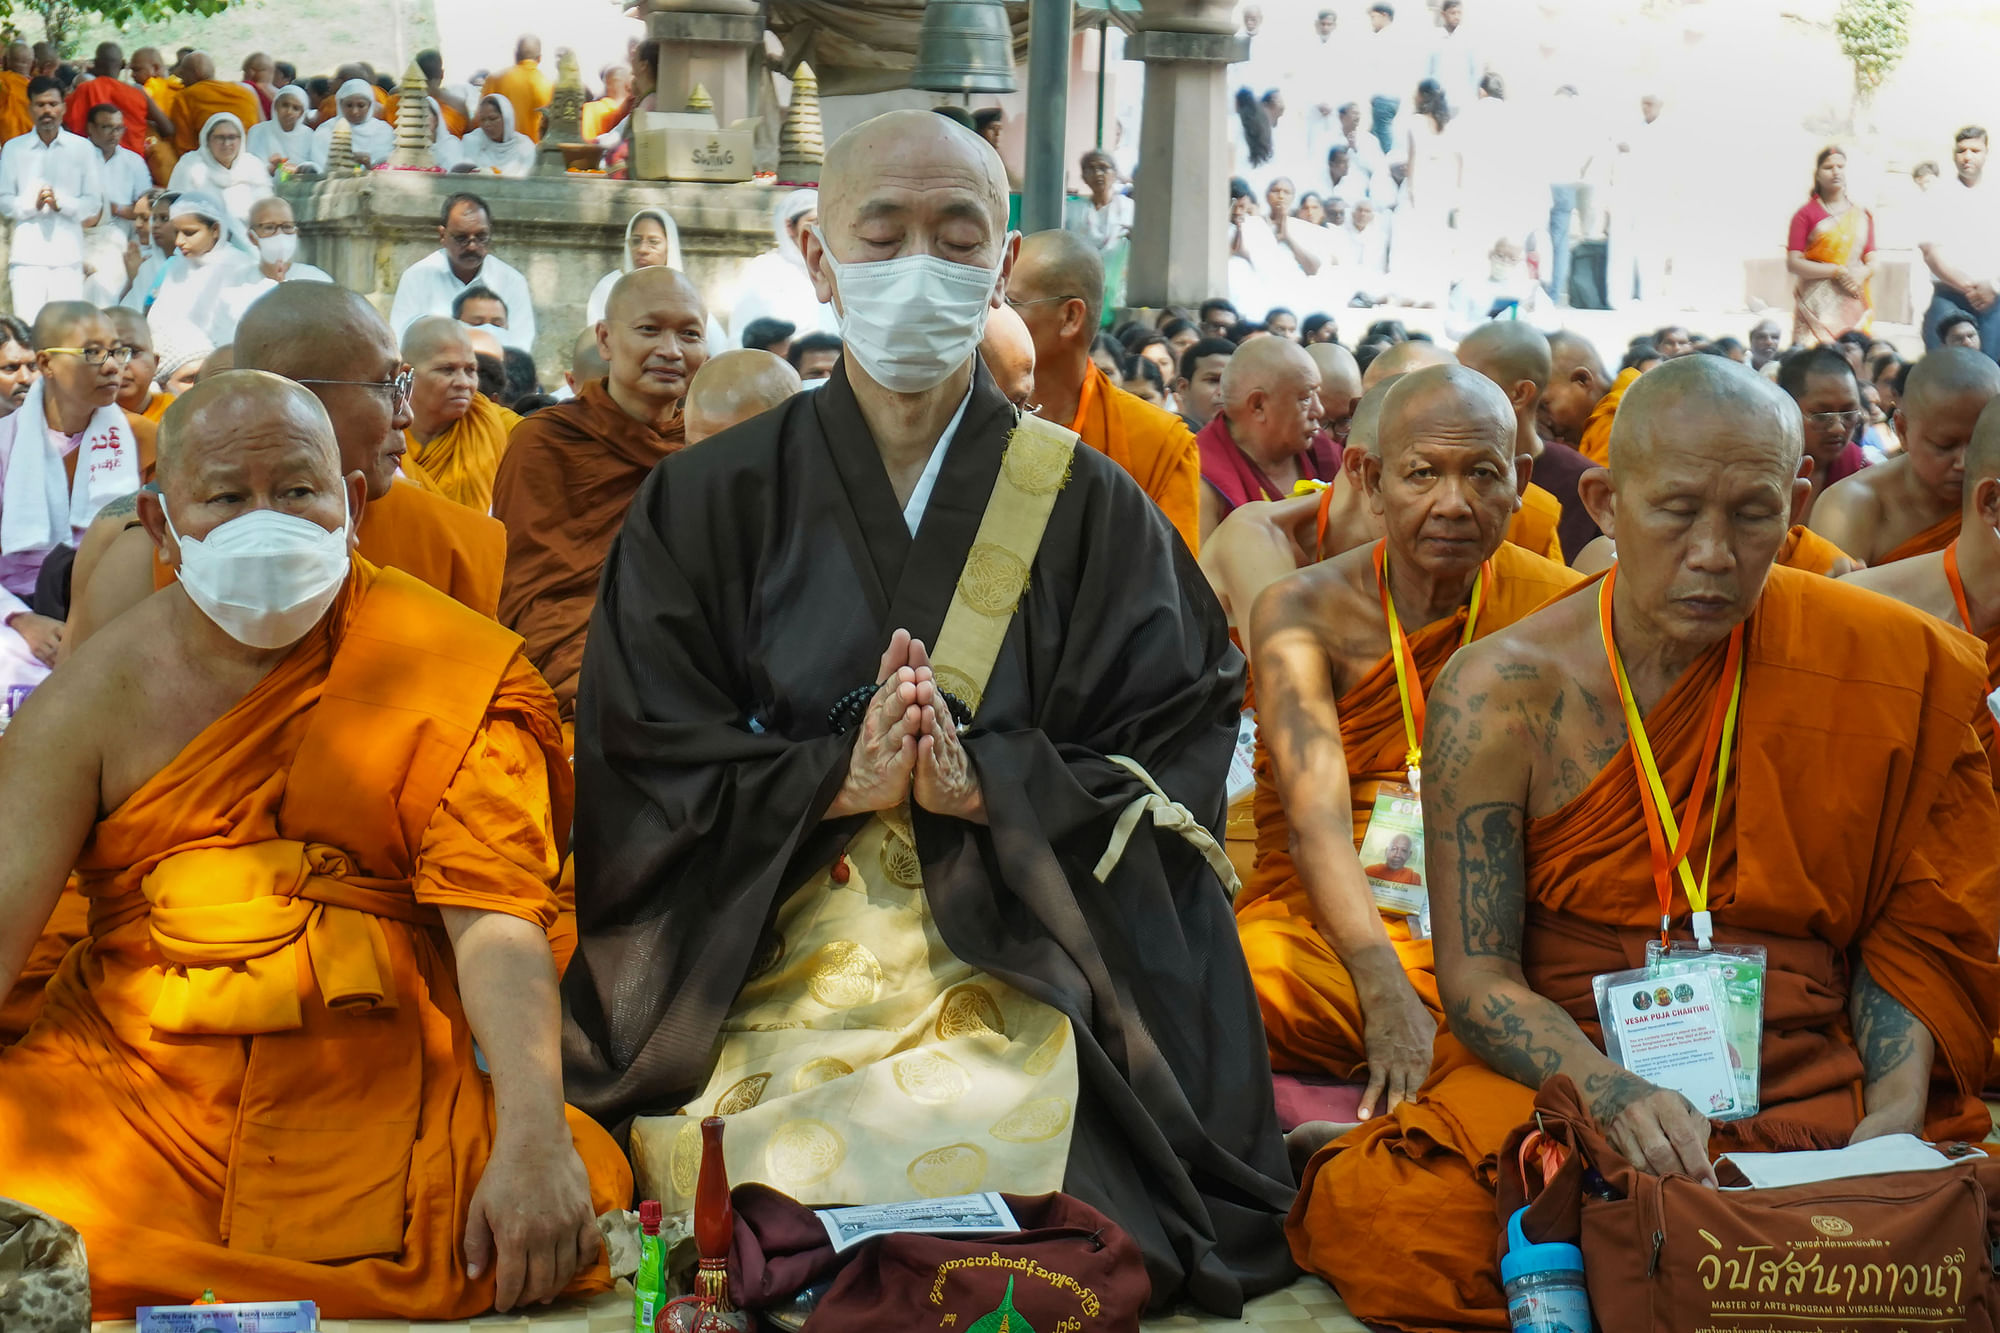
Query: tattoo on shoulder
x=120, y=507
x=1883, y=1028
x=1492, y=875
x=1518, y=671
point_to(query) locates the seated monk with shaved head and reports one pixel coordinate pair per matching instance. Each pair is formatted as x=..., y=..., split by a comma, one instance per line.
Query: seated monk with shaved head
x=1517, y=357
x=1009, y=352
x=338, y=799
x=1913, y=504
x=851, y=871
x=1057, y=288
x=734, y=387
x=571, y=470
x=456, y=434
x=1267, y=437
x=137, y=392
x=1345, y=653
x=1853, y=832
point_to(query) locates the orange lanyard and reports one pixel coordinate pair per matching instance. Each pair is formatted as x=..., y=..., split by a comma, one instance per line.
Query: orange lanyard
x=1083, y=399
x=1660, y=823
x=1957, y=586
x=1319, y=527
x=1409, y=685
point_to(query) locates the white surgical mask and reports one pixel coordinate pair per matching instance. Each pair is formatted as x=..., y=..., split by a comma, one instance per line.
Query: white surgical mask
x=279, y=249
x=265, y=577
x=911, y=322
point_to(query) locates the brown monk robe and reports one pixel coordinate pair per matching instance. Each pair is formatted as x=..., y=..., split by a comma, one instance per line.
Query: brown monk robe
x=202, y=95
x=456, y=434
x=1057, y=287
x=1869, y=876
x=732, y=388
x=571, y=470
x=1342, y=980
x=1911, y=504
x=336, y=815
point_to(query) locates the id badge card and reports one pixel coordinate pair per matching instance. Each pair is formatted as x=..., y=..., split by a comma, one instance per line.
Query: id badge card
x=1392, y=854
x=1243, y=760
x=1737, y=976
x=1669, y=1031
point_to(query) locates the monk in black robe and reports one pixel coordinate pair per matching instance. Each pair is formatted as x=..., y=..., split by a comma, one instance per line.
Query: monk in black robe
x=729, y=803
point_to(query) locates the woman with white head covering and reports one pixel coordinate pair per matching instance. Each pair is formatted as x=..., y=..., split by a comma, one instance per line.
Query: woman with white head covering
x=446, y=150
x=651, y=241
x=222, y=168
x=285, y=140
x=371, y=138
x=211, y=273
x=493, y=144
x=776, y=285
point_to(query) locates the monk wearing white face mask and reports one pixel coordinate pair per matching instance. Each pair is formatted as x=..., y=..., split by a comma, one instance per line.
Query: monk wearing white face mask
x=822, y=694
x=233, y=723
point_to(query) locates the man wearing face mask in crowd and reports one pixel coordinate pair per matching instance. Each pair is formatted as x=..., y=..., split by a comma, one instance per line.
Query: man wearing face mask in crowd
x=817, y=657
x=274, y=230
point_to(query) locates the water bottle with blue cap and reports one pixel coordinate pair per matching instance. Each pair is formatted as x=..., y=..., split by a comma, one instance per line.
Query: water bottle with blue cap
x=1544, y=1284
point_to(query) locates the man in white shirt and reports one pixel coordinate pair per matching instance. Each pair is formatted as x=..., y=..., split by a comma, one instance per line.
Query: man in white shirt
x=125, y=180
x=429, y=286
x=50, y=184
x=274, y=230
x=1393, y=65
x=1960, y=247
x=1453, y=62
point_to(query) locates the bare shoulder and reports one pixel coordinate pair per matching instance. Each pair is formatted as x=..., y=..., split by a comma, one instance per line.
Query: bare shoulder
x=1911, y=580
x=1853, y=501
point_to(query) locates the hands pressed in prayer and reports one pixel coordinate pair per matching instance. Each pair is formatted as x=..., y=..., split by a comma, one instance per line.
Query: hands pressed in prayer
x=43, y=635
x=908, y=746
x=946, y=782
x=530, y=1220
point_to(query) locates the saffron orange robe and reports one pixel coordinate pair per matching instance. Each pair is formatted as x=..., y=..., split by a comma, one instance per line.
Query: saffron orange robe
x=1892, y=865
x=1596, y=442
x=1807, y=550
x=1536, y=526
x=1153, y=446
x=601, y=115
x=1934, y=538
x=523, y=84
x=1312, y=1012
x=456, y=551
x=256, y=1074
x=460, y=461
x=157, y=408
x=15, y=118
x=568, y=477
x=198, y=101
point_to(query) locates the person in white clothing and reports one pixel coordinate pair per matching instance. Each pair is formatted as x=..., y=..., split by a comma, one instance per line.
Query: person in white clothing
x=274, y=231
x=1103, y=216
x=126, y=182
x=154, y=241
x=775, y=285
x=213, y=275
x=493, y=144
x=447, y=150
x=221, y=167
x=464, y=259
x=51, y=183
x=370, y=139
x=285, y=140
x=651, y=241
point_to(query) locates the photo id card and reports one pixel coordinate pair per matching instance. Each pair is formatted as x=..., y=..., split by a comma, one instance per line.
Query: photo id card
x=1668, y=1031
x=1392, y=852
x=1736, y=972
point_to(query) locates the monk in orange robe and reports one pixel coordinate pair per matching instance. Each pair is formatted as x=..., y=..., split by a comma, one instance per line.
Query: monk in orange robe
x=1342, y=971
x=607, y=111
x=1877, y=895
x=202, y=95
x=1911, y=504
x=571, y=470
x=337, y=817
x=1057, y=287
x=456, y=434
x=15, y=118
x=524, y=84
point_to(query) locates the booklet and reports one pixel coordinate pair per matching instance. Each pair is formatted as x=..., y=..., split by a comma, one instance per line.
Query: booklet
x=960, y=1215
x=237, y=1317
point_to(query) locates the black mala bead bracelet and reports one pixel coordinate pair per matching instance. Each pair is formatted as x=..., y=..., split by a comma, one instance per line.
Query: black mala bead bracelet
x=851, y=707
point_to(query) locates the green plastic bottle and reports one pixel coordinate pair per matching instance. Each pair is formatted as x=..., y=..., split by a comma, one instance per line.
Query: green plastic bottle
x=649, y=1284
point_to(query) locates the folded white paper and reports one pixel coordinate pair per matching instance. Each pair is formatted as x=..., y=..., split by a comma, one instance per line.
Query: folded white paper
x=1871, y=1157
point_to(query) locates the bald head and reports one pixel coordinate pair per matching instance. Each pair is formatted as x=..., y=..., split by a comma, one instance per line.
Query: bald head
x=434, y=334
x=311, y=330
x=1570, y=351
x=1705, y=398
x=1943, y=375
x=131, y=327
x=1365, y=432
x=59, y=321
x=1009, y=352
x=646, y=289
x=1339, y=378
x=1447, y=401
x=1403, y=358
x=220, y=415
x=1508, y=351
x=1259, y=366
x=585, y=362
x=216, y=362
x=1059, y=264
x=483, y=342
x=735, y=386
x=654, y=336
x=197, y=68
x=901, y=154
x=1982, y=455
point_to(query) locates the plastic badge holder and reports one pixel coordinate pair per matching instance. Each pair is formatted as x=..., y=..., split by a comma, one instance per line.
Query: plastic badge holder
x=1689, y=1021
x=1738, y=974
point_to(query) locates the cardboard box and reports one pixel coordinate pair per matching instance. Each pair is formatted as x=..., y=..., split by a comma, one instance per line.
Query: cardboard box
x=684, y=146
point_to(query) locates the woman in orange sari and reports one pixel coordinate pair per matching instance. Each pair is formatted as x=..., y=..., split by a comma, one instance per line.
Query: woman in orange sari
x=1832, y=254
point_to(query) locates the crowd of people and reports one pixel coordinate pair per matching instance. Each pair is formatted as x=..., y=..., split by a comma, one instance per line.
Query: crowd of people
x=966, y=748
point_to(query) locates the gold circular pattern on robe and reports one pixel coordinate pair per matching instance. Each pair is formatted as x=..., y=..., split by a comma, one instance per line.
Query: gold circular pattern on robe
x=957, y=1168
x=802, y=1153
x=969, y=1011
x=823, y=1070
x=1037, y=466
x=845, y=974
x=1037, y=1121
x=932, y=1077
x=953, y=681
x=686, y=1159
x=1044, y=1058
x=901, y=863
x=744, y=1095
x=992, y=580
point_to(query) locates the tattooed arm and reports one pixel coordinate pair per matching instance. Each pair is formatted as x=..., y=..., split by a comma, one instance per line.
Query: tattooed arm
x=1488, y=729
x=1301, y=732
x=1896, y=1054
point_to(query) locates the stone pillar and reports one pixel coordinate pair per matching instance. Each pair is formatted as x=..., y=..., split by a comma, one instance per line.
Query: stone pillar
x=716, y=44
x=1180, y=231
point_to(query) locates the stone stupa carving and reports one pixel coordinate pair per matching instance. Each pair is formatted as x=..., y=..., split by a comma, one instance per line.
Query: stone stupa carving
x=340, y=152
x=413, y=123
x=802, y=138
x=564, y=122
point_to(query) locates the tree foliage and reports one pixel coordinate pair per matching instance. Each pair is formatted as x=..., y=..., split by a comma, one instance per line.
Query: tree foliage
x=1873, y=36
x=60, y=20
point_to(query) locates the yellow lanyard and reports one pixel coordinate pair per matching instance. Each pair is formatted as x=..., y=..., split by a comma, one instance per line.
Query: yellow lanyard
x=1410, y=689
x=1661, y=827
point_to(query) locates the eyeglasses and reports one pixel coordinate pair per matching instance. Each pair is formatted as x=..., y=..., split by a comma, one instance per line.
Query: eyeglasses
x=398, y=388
x=276, y=229
x=94, y=356
x=1845, y=422
x=479, y=238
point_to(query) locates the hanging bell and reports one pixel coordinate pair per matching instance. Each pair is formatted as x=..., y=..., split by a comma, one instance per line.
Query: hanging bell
x=965, y=46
